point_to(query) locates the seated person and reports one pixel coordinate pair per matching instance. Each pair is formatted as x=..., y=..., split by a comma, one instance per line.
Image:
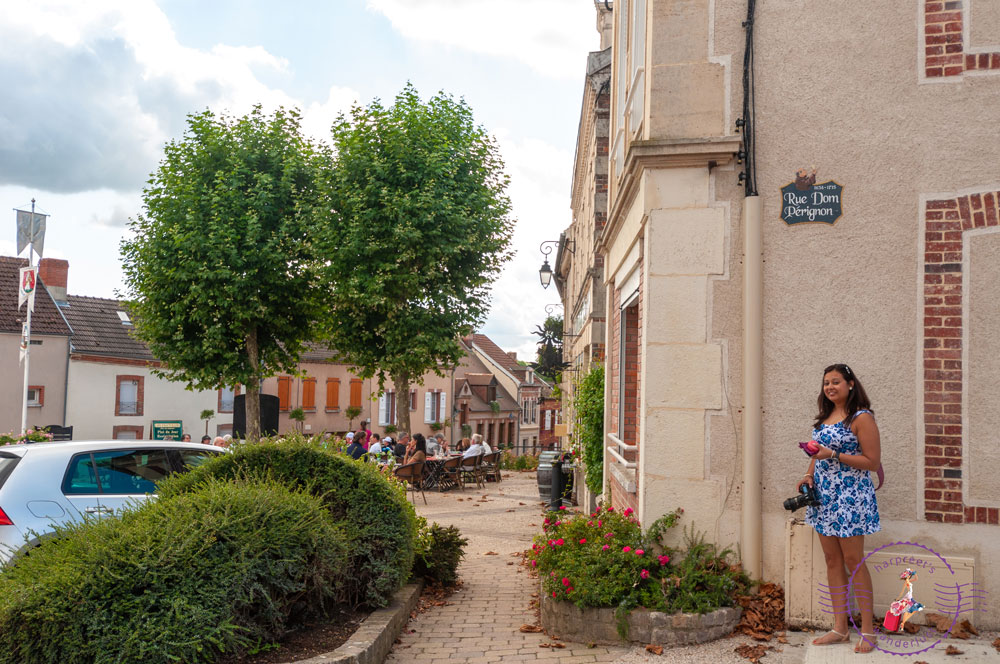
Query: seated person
x=486, y=448
x=417, y=451
x=402, y=443
x=374, y=447
x=476, y=448
x=442, y=444
x=462, y=445
x=433, y=446
x=355, y=450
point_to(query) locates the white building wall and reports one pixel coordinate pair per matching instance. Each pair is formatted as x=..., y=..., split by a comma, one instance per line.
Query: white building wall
x=92, y=394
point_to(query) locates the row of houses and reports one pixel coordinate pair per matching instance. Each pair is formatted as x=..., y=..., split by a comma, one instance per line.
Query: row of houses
x=90, y=373
x=764, y=189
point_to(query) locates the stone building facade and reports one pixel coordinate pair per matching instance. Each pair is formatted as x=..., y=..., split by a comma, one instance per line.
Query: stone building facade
x=901, y=285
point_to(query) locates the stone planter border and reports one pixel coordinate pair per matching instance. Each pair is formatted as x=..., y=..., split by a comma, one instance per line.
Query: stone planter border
x=374, y=637
x=568, y=621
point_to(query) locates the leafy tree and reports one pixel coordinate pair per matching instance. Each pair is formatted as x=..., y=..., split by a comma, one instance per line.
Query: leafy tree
x=549, y=361
x=351, y=413
x=206, y=415
x=221, y=265
x=420, y=228
x=298, y=415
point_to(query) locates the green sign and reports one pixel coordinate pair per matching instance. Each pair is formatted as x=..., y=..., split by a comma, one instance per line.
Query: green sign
x=167, y=429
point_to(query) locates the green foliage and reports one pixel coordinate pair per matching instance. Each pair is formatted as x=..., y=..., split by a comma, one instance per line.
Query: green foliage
x=588, y=410
x=352, y=413
x=298, y=415
x=39, y=435
x=495, y=407
x=705, y=579
x=221, y=266
x=466, y=430
x=420, y=229
x=606, y=560
x=186, y=579
x=391, y=429
x=206, y=415
x=511, y=461
x=379, y=521
x=439, y=550
x=436, y=426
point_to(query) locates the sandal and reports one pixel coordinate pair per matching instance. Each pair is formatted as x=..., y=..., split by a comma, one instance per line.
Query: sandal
x=843, y=638
x=871, y=643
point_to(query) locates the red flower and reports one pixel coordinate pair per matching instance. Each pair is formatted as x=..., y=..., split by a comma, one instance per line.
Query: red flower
x=560, y=542
x=644, y=573
x=562, y=507
x=605, y=547
x=639, y=552
x=565, y=581
x=626, y=549
x=663, y=560
x=553, y=593
x=583, y=540
x=628, y=510
x=611, y=509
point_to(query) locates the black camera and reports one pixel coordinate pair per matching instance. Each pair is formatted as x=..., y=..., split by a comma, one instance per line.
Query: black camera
x=807, y=498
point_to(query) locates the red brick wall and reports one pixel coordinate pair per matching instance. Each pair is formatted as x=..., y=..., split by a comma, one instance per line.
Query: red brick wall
x=945, y=222
x=945, y=51
x=53, y=271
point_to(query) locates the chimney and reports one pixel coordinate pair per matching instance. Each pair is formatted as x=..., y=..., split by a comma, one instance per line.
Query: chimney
x=605, y=21
x=512, y=355
x=53, y=273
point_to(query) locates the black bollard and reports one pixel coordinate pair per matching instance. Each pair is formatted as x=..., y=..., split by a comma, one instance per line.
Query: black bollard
x=555, y=500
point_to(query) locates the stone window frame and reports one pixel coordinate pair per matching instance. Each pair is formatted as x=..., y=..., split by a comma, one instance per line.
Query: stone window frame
x=140, y=394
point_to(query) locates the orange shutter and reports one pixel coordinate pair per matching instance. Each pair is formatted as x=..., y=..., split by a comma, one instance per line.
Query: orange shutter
x=355, y=393
x=284, y=389
x=309, y=394
x=333, y=394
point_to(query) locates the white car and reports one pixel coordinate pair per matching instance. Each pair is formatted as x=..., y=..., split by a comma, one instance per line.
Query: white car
x=46, y=484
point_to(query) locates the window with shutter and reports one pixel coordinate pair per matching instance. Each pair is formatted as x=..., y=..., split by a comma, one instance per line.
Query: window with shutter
x=413, y=399
x=333, y=394
x=382, y=402
x=284, y=392
x=428, y=407
x=390, y=407
x=355, y=393
x=442, y=407
x=308, y=394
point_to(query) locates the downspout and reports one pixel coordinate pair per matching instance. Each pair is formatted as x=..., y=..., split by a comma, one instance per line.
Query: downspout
x=454, y=401
x=753, y=383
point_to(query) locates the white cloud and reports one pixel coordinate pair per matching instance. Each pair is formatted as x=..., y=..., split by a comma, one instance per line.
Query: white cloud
x=93, y=90
x=550, y=36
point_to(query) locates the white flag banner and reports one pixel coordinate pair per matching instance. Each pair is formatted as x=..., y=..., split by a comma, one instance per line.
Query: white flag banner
x=30, y=230
x=26, y=287
x=24, y=341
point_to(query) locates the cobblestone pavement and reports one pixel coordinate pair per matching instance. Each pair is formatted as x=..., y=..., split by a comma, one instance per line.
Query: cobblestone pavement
x=482, y=621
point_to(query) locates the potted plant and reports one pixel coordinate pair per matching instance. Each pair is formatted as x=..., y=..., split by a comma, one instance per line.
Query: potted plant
x=352, y=412
x=206, y=415
x=299, y=416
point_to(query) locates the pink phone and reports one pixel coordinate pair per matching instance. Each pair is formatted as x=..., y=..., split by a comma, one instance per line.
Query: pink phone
x=810, y=448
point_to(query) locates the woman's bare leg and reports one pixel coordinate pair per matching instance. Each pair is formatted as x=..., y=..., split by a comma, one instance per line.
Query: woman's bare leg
x=853, y=549
x=836, y=578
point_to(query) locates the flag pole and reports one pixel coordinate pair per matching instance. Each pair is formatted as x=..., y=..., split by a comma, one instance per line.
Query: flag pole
x=27, y=326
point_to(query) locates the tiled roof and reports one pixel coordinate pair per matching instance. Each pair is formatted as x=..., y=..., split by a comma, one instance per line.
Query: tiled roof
x=317, y=353
x=44, y=320
x=495, y=353
x=98, y=330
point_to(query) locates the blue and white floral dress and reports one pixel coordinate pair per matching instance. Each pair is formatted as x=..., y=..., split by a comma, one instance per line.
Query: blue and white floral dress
x=847, y=494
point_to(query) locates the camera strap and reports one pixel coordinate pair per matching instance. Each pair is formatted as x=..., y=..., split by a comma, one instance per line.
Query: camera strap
x=880, y=472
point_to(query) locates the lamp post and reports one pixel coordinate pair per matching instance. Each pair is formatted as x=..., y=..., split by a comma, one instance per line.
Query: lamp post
x=545, y=272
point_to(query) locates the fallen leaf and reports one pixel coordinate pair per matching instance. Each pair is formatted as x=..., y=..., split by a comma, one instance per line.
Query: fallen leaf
x=966, y=625
x=476, y=505
x=952, y=650
x=941, y=623
x=532, y=524
x=551, y=645
x=510, y=562
x=753, y=653
x=491, y=553
x=510, y=510
x=522, y=503
x=656, y=650
x=910, y=628
x=530, y=629
x=782, y=639
x=996, y=643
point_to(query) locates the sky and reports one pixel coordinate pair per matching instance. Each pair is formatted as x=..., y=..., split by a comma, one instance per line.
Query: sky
x=92, y=91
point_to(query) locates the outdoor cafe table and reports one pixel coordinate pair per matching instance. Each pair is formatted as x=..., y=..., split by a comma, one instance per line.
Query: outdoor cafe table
x=434, y=467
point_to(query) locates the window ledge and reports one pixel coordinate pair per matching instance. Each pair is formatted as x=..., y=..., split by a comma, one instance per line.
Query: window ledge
x=332, y=410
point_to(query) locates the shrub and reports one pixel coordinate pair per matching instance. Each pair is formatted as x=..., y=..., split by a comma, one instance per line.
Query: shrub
x=379, y=521
x=184, y=579
x=439, y=551
x=588, y=407
x=511, y=461
x=606, y=560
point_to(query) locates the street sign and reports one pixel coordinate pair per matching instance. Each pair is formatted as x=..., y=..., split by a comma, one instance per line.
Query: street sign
x=804, y=201
x=167, y=429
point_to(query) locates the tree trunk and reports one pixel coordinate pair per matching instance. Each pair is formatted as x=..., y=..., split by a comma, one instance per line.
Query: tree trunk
x=401, y=381
x=253, y=388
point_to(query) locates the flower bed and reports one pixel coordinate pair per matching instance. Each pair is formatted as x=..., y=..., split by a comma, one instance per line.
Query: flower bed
x=606, y=561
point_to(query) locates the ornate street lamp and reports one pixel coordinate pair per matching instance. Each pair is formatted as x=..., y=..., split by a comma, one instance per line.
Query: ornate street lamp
x=545, y=272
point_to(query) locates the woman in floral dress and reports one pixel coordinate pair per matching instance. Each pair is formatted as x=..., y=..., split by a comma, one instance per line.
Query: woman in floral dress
x=849, y=449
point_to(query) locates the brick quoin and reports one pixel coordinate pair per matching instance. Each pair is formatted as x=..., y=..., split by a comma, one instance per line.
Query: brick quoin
x=945, y=222
x=945, y=51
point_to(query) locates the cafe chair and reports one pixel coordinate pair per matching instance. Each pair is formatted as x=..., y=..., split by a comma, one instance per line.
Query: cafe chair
x=412, y=474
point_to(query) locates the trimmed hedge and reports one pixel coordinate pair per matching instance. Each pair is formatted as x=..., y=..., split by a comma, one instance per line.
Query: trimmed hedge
x=440, y=549
x=379, y=521
x=217, y=570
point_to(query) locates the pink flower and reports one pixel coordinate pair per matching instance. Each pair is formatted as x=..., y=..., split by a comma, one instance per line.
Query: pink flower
x=552, y=574
x=663, y=560
x=534, y=563
x=583, y=540
x=605, y=547
x=553, y=593
x=599, y=523
x=626, y=549
x=551, y=542
x=569, y=590
x=565, y=581
x=611, y=509
x=558, y=523
x=546, y=522
x=562, y=507
x=644, y=573
x=628, y=510
x=639, y=552
x=560, y=542
x=607, y=535
x=590, y=523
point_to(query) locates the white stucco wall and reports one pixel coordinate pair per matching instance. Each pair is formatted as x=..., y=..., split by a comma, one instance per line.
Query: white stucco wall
x=92, y=393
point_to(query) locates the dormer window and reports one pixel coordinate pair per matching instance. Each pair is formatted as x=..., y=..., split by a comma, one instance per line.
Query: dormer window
x=123, y=316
